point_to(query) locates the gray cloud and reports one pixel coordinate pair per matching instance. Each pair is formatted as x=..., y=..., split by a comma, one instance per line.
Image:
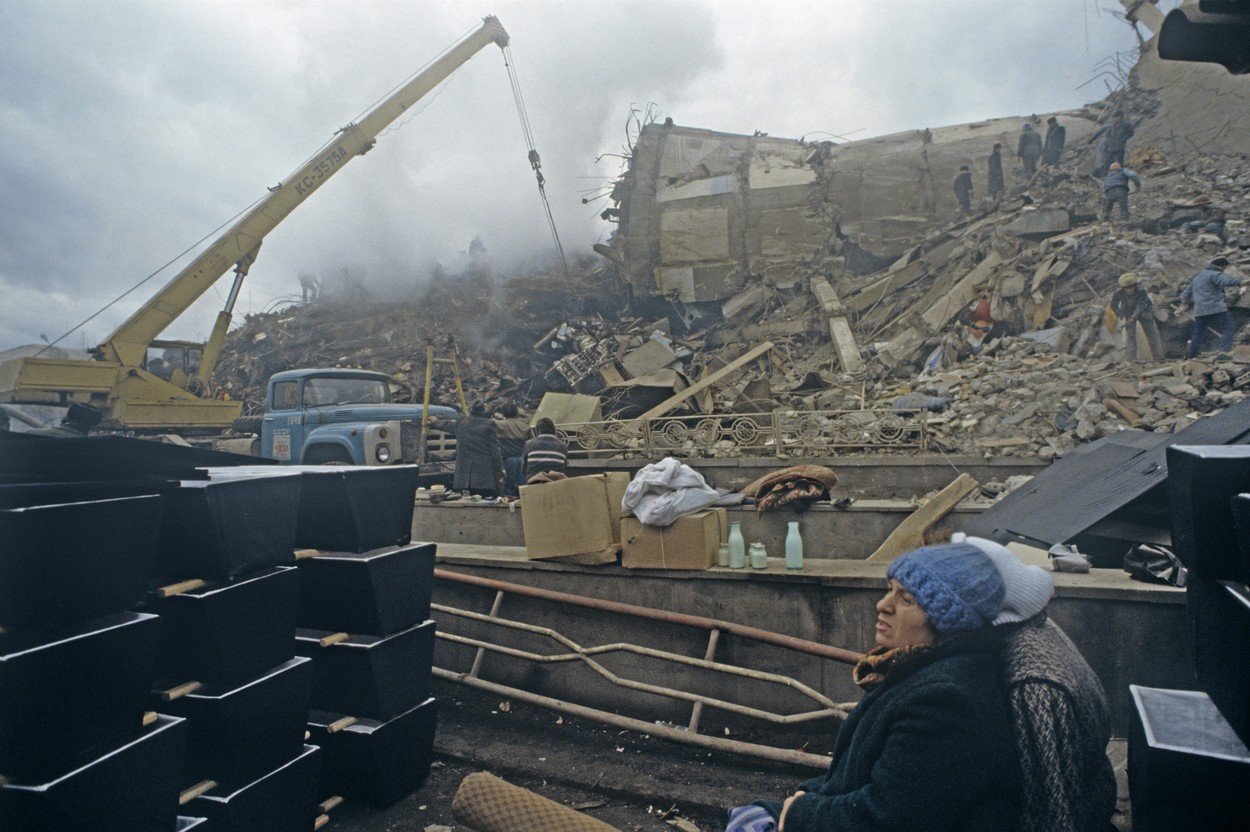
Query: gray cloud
x=133, y=129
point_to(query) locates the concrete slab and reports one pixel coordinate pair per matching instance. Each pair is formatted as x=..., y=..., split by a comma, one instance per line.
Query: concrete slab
x=1039, y=224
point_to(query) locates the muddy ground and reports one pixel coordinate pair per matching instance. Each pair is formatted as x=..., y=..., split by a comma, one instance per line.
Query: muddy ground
x=632, y=782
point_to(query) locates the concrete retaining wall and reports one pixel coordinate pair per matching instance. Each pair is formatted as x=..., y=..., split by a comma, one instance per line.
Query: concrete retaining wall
x=827, y=532
x=1130, y=632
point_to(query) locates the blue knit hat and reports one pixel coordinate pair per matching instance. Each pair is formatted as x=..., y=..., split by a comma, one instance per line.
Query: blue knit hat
x=955, y=584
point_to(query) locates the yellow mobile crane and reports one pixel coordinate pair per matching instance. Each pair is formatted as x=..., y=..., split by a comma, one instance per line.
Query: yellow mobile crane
x=119, y=382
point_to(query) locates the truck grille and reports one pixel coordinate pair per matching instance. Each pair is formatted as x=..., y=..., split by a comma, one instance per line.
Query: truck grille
x=409, y=440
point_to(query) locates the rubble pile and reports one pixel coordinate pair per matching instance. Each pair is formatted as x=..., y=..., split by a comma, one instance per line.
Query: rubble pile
x=803, y=299
x=1029, y=399
x=492, y=321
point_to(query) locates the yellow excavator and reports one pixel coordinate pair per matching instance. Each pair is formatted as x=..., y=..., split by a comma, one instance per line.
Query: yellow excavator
x=134, y=382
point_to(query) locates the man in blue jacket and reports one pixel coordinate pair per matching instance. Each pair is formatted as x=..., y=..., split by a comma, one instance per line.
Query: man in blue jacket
x=1206, y=293
x=1115, y=189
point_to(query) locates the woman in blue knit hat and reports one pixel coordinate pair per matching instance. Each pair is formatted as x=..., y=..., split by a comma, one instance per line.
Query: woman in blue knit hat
x=929, y=747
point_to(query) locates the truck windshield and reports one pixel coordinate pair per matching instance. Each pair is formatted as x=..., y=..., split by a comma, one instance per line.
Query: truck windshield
x=323, y=391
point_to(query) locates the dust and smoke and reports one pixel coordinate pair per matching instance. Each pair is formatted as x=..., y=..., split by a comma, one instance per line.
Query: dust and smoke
x=133, y=130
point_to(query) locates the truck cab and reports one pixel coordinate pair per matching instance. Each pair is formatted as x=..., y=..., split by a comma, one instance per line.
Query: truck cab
x=346, y=417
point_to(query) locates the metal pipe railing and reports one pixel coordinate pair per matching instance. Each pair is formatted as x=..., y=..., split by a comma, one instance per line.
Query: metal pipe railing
x=800, y=645
x=585, y=655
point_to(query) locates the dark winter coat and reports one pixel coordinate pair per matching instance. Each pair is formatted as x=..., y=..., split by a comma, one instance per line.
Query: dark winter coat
x=1118, y=134
x=1132, y=304
x=1062, y=725
x=930, y=748
x=1119, y=178
x=479, y=464
x=1206, y=291
x=963, y=187
x=1056, y=135
x=1030, y=144
x=544, y=453
x=996, y=173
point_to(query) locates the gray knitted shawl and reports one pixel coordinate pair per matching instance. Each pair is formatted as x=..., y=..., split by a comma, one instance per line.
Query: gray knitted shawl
x=1061, y=724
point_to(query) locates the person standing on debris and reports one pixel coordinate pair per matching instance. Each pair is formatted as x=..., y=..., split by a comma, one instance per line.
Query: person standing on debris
x=1059, y=711
x=1029, y=148
x=1115, y=190
x=1056, y=136
x=996, y=186
x=930, y=744
x=512, y=431
x=1118, y=135
x=963, y=191
x=1206, y=293
x=309, y=287
x=1132, y=306
x=545, y=453
x=479, y=465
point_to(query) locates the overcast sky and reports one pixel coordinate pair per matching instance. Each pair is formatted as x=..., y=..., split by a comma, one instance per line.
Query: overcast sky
x=133, y=129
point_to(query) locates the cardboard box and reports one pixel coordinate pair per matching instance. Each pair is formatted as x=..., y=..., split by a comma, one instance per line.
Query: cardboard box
x=577, y=520
x=690, y=543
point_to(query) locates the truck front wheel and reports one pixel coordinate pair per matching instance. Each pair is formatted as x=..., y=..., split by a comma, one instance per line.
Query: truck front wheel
x=327, y=455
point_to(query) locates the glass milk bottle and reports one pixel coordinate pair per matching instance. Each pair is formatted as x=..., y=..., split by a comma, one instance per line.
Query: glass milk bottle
x=737, y=547
x=794, y=546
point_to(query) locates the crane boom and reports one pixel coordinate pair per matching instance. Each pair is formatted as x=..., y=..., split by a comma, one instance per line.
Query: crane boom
x=128, y=344
x=116, y=381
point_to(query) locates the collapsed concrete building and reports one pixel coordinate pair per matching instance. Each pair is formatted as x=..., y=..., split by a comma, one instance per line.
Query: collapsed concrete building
x=702, y=212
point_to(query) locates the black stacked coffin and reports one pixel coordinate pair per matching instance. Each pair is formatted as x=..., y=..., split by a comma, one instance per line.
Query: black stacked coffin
x=364, y=621
x=1189, y=766
x=78, y=751
x=228, y=600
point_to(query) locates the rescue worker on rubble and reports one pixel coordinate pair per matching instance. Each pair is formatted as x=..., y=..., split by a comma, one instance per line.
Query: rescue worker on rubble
x=1132, y=306
x=1206, y=293
x=963, y=192
x=929, y=746
x=1118, y=135
x=479, y=465
x=995, y=163
x=1029, y=148
x=1115, y=190
x=1056, y=136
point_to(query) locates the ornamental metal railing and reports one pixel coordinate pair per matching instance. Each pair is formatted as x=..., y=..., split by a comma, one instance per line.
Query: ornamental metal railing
x=780, y=433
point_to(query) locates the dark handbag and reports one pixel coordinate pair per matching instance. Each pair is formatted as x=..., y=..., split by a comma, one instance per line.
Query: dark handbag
x=1155, y=564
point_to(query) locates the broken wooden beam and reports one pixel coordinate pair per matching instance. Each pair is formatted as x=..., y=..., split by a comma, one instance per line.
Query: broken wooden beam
x=910, y=533
x=1129, y=415
x=669, y=404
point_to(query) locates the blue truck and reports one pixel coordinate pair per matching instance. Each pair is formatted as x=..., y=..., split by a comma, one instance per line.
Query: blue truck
x=346, y=417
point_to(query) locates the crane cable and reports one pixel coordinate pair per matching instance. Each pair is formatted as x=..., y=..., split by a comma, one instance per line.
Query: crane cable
x=535, y=161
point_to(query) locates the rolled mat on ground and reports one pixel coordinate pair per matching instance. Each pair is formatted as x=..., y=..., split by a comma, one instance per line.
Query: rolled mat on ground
x=488, y=804
x=798, y=485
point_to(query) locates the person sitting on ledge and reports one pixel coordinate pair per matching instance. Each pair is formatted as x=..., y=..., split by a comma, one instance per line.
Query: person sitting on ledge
x=930, y=744
x=1059, y=710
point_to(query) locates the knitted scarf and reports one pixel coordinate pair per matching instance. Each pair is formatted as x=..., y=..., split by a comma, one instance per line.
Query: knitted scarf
x=881, y=664
x=875, y=665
